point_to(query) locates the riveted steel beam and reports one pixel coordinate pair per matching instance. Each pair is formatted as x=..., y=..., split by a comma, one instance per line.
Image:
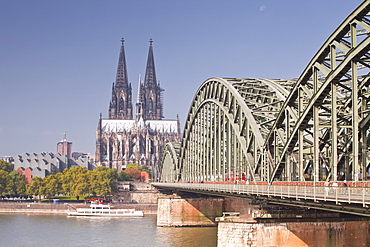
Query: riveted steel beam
x=315, y=127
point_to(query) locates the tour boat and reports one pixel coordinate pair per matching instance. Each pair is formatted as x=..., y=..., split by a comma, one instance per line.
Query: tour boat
x=97, y=209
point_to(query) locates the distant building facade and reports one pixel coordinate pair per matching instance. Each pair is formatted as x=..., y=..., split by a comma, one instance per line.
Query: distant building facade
x=43, y=164
x=123, y=139
x=9, y=159
x=64, y=147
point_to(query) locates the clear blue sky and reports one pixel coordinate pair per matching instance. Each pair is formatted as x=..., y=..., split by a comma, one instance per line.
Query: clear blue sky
x=58, y=59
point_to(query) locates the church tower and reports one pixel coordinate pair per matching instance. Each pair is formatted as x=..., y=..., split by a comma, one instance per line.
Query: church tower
x=150, y=93
x=121, y=139
x=121, y=103
x=139, y=103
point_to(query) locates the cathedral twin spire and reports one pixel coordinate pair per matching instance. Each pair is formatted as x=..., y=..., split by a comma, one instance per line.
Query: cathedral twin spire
x=121, y=103
x=149, y=105
x=150, y=77
x=121, y=77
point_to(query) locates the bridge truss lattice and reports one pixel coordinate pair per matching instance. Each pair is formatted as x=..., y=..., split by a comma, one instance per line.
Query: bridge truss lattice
x=311, y=128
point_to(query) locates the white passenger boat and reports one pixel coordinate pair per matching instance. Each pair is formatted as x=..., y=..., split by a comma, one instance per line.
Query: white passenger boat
x=97, y=209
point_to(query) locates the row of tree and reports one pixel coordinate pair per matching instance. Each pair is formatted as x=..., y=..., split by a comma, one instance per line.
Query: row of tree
x=76, y=181
x=11, y=182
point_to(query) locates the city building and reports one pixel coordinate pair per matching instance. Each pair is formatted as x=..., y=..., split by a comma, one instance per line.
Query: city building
x=46, y=163
x=9, y=159
x=123, y=139
x=64, y=147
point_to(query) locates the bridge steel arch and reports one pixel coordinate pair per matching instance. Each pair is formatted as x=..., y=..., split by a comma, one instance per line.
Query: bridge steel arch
x=329, y=105
x=169, y=168
x=227, y=124
x=311, y=128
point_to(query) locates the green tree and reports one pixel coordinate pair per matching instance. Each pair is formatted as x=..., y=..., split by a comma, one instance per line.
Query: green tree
x=93, y=182
x=5, y=166
x=134, y=173
x=69, y=178
x=144, y=168
x=102, y=181
x=76, y=181
x=51, y=185
x=133, y=165
x=16, y=184
x=140, y=167
x=123, y=176
x=66, y=179
x=59, y=177
x=81, y=186
x=11, y=182
x=36, y=187
x=4, y=176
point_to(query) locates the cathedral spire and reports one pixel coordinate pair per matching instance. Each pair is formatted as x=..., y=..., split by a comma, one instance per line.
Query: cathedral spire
x=138, y=90
x=150, y=76
x=139, y=105
x=120, y=106
x=123, y=140
x=121, y=77
x=150, y=91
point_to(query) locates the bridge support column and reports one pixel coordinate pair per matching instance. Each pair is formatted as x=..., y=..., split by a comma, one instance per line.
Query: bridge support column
x=238, y=231
x=177, y=211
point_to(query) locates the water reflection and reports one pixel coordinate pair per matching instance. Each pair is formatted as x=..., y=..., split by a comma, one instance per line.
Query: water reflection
x=60, y=230
x=187, y=236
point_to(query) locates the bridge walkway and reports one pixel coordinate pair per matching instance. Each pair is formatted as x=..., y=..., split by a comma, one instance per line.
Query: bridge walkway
x=353, y=200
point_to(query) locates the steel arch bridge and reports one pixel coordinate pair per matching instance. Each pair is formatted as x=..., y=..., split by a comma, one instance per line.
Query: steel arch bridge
x=307, y=129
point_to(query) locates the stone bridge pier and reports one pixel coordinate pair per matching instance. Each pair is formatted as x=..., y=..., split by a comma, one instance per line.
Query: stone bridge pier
x=241, y=222
x=175, y=210
x=236, y=231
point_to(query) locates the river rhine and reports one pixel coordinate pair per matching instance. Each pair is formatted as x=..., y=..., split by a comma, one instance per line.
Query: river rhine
x=61, y=230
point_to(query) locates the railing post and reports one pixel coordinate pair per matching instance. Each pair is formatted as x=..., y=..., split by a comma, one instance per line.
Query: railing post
x=273, y=190
x=363, y=197
x=281, y=191
x=305, y=192
x=296, y=192
x=349, y=194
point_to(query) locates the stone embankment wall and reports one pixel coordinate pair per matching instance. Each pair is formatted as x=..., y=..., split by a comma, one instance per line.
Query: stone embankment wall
x=63, y=208
x=144, y=193
x=145, y=197
x=351, y=233
x=39, y=208
x=136, y=192
x=146, y=208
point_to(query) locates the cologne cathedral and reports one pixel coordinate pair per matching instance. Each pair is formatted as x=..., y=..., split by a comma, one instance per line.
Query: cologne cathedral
x=123, y=139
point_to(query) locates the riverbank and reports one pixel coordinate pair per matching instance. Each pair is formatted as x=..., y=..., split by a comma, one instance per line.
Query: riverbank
x=63, y=208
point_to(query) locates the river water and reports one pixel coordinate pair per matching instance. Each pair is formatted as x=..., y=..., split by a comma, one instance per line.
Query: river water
x=61, y=230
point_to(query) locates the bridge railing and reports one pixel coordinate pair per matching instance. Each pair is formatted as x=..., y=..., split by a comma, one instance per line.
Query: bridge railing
x=357, y=195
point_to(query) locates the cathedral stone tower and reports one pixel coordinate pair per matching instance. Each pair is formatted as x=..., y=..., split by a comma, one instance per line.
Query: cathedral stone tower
x=151, y=91
x=122, y=139
x=120, y=106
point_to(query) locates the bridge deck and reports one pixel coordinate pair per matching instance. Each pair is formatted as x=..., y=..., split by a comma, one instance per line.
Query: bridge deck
x=353, y=200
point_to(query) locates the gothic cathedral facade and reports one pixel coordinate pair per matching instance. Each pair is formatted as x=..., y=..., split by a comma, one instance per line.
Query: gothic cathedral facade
x=123, y=139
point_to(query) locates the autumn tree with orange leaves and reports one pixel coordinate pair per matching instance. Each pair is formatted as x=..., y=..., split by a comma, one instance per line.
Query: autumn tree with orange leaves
x=134, y=173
